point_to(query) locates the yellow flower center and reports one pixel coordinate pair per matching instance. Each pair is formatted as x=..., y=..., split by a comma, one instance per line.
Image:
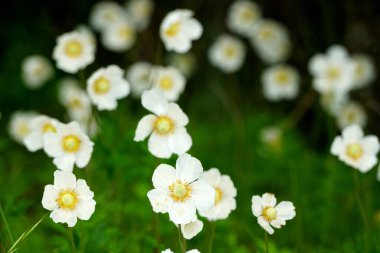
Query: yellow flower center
x=266, y=33
x=173, y=29
x=230, y=51
x=71, y=143
x=67, y=199
x=269, y=213
x=48, y=128
x=179, y=191
x=73, y=48
x=333, y=73
x=23, y=130
x=354, y=151
x=359, y=70
x=247, y=15
x=163, y=125
x=102, y=85
x=218, y=195
x=125, y=32
x=166, y=83
x=75, y=103
x=282, y=77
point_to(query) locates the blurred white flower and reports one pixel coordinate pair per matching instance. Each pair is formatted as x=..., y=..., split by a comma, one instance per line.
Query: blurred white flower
x=19, y=125
x=271, y=41
x=69, y=145
x=69, y=199
x=191, y=229
x=106, y=85
x=140, y=77
x=74, y=51
x=243, y=17
x=39, y=126
x=119, y=36
x=355, y=149
x=140, y=12
x=364, y=70
x=105, y=13
x=179, y=29
x=184, y=62
x=272, y=136
x=332, y=101
x=280, y=82
x=169, y=81
x=179, y=192
x=269, y=214
x=351, y=113
x=227, y=53
x=166, y=126
x=225, y=194
x=190, y=251
x=333, y=71
x=36, y=70
x=86, y=31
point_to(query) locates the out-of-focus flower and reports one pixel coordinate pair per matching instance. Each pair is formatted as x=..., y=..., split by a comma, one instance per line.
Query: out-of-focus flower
x=68, y=145
x=272, y=136
x=86, y=31
x=280, y=82
x=364, y=70
x=227, y=53
x=169, y=81
x=166, y=126
x=140, y=77
x=39, y=126
x=332, y=101
x=184, y=62
x=179, y=192
x=74, y=51
x=119, y=36
x=225, y=194
x=105, y=13
x=19, y=125
x=271, y=215
x=271, y=41
x=140, y=12
x=106, y=85
x=69, y=199
x=191, y=229
x=36, y=70
x=355, y=149
x=179, y=29
x=351, y=113
x=243, y=17
x=190, y=251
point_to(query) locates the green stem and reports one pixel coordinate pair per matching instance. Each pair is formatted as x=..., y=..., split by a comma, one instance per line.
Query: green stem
x=362, y=211
x=211, y=238
x=71, y=238
x=6, y=225
x=266, y=242
x=182, y=241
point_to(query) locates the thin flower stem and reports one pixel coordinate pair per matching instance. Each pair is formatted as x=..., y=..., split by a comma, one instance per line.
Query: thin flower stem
x=211, y=238
x=71, y=238
x=182, y=241
x=6, y=225
x=362, y=211
x=266, y=242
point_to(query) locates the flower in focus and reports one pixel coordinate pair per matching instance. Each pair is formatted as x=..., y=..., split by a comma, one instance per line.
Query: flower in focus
x=104, y=14
x=351, y=113
x=227, y=53
x=364, y=70
x=179, y=192
x=225, y=194
x=169, y=81
x=36, y=70
x=184, y=62
x=355, y=149
x=191, y=229
x=69, y=199
x=68, y=145
x=119, y=36
x=243, y=17
x=139, y=75
x=179, y=29
x=166, y=126
x=19, y=125
x=280, y=82
x=106, y=85
x=269, y=214
x=140, y=12
x=74, y=51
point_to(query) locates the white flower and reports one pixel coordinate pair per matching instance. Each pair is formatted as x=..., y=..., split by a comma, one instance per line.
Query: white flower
x=333, y=71
x=243, y=17
x=36, y=70
x=269, y=214
x=355, y=149
x=169, y=81
x=19, y=125
x=119, y=36
x=364, y=70
x=86, y=31
x=69, y=145
x=179, y=29
x=68, y=199
x=140, y=12
x=272, y=136
x=139, y=75
x=74, y=51
x=280, y=82
x=190, y=251
x=332, y=101
x=39, y=126
x=191, y=229
x=227, y=53
x=166, y=126
x=105, y=13
x=225, y=194
x=351, y=113
x=106, y=85
x=184, y=62
x=179, y=192
x=271, y=41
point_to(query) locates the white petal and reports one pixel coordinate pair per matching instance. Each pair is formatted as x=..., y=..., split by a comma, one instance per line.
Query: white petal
x=257, y=206
x=371, y=144
x=180, y=141
x=268, y=199
x=63, y=216
x=52, y=145
x=163, y=176
x=144, y=127
x=265, y=225
x=177, y=115
x=64, y=180
x=191, y=229
x=83, y=156
x=195, y=28
x=34, y=141
x=160, y=200
x=366, y=163
x=83, y=191
x=85, y=209
x=212, y=177
x=188, y=168
x=182, y=212
x=65, y=162
x=286, y=210
x=154, y=101
x=158, y=145
x=337, y=146
x=202, y=195
x=49, y=197
x=352, y=133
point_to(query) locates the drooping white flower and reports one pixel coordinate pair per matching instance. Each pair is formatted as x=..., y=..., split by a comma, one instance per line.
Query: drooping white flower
x=69, y=145
x=271, y=41
x=191, y=229
x=184, y=62
x=39, y=126
x=107, y=85
x=280, y=82
x=36, y=71
x=332, y=72
x=269, y=214
x=179, y=29
x=243, y=17
x=364, y=70
x=225, y=194
x=351, y=113
x=140, y=77
x=355, y=149
x=227, y=53
x=19, y=125
x=190, y=251
x=179, y=191
x=332, y=101
x=105, y=13
x=74, y=51
x=119, y=36
x=169, y=81
x=166, y=126
x=69, y=199
x=140, y=12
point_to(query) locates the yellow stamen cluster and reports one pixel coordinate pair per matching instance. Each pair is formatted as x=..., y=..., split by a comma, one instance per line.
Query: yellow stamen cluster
x=247, y=15
x=180, y=191
x=71, y=143
x=218, y=195
x=166, y=82
x=269, y=213
x=125, y=32
x=102, y=85
x=333, y=73
x=48, y=128
x=67, y=199
x=73, y=48
x=163, y=125
x=173, y=29
x=354, y=151
x=230, y=51
x=282, y=77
